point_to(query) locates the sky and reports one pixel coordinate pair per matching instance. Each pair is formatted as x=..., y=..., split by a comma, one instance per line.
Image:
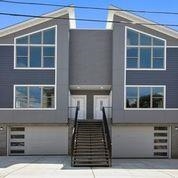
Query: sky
x=150, y=5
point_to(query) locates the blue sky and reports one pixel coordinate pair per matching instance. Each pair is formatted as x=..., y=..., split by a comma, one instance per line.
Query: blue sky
x=150, y=5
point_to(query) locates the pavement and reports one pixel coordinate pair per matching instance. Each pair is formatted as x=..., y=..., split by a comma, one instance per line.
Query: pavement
x=59, y=167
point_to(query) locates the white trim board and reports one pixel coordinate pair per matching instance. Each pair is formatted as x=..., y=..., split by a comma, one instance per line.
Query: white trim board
x=36, y=21
x=137, y=19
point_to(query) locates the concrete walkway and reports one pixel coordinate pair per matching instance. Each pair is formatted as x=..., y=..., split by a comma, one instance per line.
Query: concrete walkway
x=59, y=167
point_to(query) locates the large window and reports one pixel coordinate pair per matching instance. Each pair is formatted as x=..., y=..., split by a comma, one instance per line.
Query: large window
x=34, y=97
x=36, y=50
x=145, y=97
x=144, y=51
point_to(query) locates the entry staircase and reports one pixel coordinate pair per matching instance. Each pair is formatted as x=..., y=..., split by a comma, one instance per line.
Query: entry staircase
x=91, y=144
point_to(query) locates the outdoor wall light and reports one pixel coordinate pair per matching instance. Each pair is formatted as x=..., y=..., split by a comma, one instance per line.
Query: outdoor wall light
x=1, y=128
x=176, y=128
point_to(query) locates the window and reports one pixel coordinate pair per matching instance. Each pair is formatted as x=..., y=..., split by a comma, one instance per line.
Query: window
x=34, y=97
x=36, y=50
x=144, y=97
x=144, y=51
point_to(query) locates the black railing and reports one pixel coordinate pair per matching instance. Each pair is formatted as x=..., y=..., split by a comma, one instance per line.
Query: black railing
x=74, y=132
x=107, y=133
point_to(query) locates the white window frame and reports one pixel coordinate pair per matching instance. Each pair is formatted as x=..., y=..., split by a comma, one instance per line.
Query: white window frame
x=144, y=46
x=14, y=98
x=151, y=86
x=36, y=45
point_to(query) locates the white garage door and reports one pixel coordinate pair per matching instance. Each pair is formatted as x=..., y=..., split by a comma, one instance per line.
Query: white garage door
x=38, y=140
x=140, y=141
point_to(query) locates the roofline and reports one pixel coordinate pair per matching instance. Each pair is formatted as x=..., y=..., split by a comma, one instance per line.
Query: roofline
x=137, y=19
x=36, y=21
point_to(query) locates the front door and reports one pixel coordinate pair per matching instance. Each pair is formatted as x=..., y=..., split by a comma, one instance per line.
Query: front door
x=80, y=101
x=100, y=101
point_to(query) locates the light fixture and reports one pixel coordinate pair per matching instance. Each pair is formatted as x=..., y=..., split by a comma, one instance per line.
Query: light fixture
x=101, y=87
x=1, y=128
x=176, y=128
x=78, y=87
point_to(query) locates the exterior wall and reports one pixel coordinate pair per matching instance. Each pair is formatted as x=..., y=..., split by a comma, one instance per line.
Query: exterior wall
x=90, y=57
x=167, y=78
x=174, y=141
x=37, y=77
x=90, y=99
x=3, y=140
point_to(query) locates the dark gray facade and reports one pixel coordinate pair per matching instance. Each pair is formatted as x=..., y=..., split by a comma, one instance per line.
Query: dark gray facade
x=90, y=57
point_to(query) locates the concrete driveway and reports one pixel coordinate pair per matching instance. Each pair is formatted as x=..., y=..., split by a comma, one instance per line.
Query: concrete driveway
x=59, y=167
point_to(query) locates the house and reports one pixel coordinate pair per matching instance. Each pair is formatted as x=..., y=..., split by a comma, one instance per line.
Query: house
x=48, y=67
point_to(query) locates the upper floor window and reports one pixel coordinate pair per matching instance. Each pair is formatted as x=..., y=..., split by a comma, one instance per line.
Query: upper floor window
x=144, y=51
x=36, y=50
x=34, y=96
x=145, y=97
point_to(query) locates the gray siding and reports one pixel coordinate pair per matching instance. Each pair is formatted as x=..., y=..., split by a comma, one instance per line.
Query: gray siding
x=60, y=115
x=90, y=99
x=90, y=57
x=142, y=77
x=168, y=77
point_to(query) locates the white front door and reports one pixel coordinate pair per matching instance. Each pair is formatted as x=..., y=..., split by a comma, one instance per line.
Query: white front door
x=100, y=101
x=80, y=101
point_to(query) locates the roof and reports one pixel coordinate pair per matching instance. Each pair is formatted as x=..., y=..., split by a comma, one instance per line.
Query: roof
x=36, y=21
x=137, y=19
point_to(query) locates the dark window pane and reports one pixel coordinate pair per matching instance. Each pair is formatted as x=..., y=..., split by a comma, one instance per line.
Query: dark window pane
x=158, y=42
x=160, y=134
x=157, y=102
x=23, y=40
x=35, y=38
x=17, y=151
x=158, y=91
x=160, y=140
x=160, y=153
x=158, y=52
x=132, y=52
x=48, y=97
x=144, y=97
x=35, y=97
x=48, y=51
x=48, y=62
x=49, y=36
x=17, y=129
x=132, y=37
x=145, y=40
x=21, y=97
x=131, y=103
x=17, y=136
x=160, y=128
x=132, y=92
x=145, y=57
x=22, y=62
x=22, y=51
x=162, y=147
x=17, y=144
x=35, y=56
x=158, y=63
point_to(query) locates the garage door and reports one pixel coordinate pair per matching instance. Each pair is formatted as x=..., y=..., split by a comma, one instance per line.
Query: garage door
x=31, y=140
x=140, y=141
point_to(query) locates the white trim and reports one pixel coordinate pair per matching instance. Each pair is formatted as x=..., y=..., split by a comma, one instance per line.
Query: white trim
x=137, y=19
x=36, y=21
x=149, y=109
x=38, y=45
x=34, y=85
x=144, y=46
x=171, y=46
x=90, y=87
x=6, y=44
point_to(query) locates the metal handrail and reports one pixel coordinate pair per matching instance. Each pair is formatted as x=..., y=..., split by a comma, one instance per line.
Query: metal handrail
x=107, y=134
x=74, y=132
